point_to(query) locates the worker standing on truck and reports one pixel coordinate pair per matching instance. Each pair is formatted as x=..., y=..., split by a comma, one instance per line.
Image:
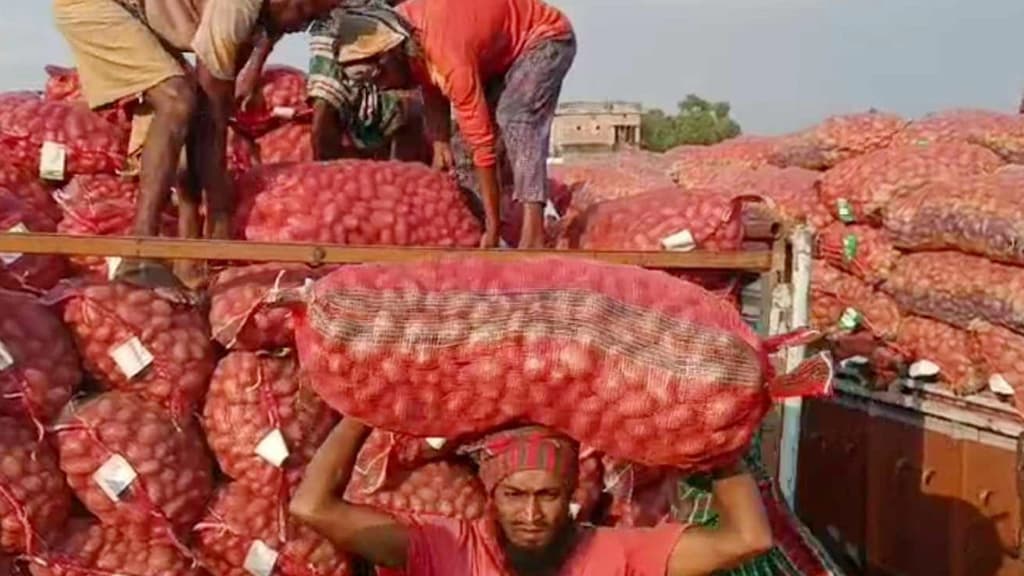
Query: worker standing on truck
x=530, y=475
x=499, y=64
x=135, y=49
x=352, y=118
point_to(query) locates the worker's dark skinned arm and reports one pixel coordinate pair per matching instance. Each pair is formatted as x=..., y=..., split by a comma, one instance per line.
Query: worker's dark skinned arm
x=359, y=530
x=217, y=98
x=743, y=532
x=252, y=66
x=487, y=177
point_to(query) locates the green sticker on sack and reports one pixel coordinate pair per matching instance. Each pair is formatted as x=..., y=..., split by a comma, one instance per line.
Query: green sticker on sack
x=845, y=210
x=850, y=245
x=850, y=320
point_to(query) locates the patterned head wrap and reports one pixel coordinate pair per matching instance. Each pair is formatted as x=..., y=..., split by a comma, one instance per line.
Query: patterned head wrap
x=532, y=448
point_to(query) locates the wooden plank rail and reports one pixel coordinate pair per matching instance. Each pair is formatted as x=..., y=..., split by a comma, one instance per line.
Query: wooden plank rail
x=316, y=254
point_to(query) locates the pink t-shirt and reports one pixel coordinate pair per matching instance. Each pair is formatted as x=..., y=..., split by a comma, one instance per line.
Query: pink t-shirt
x=441, y=547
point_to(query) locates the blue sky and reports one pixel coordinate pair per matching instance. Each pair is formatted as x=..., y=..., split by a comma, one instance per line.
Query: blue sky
x=782, y=63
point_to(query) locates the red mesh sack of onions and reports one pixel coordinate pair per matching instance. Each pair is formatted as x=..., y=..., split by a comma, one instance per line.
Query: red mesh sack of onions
x=840, y=303
x=25, y=185
x=356, y=202
x=60, y=139
x=102, y=205
x=88, y=548
x=28, y=272
x=34, y=500
x=862, y=251
x=694, y=166
x=132, y=339
x=589, y=486
x=289, y=143
x=999, y=132
x=246, y=533
x=1000, y=354
x=239, y=318
x=861, y=188
x=959, y=289
x=837, y=139
x=387, y=455
x=938, y=350
x=39, y=368
x=610, y=178
x=64, y=85
x=440, y=488
x=649, y=505
x=283, y=99
x=261, y=417
x=134, y=467
x=634, y=363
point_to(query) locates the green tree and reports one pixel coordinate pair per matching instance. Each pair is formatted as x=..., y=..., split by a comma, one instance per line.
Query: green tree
x=697, y=122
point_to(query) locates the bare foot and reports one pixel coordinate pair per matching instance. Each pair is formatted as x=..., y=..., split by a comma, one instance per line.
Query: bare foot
x=192, y=273
x=152, y=275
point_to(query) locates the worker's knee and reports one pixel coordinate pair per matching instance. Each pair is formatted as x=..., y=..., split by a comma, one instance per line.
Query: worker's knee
x=174, y=98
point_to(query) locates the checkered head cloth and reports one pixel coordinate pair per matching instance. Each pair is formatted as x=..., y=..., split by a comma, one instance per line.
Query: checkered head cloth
x=532, y=448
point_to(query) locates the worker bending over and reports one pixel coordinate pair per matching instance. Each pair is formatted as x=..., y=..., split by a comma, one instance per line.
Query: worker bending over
x=135, y=48
x=499, y=64
x=354, y=119
x=530, y=475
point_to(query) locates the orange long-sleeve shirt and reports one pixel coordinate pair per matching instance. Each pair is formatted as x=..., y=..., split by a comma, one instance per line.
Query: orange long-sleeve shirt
x=465, y=43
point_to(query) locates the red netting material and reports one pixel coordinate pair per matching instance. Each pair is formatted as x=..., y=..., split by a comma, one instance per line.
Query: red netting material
x=865, y=252
x=385, y=454
x=355, y=202
x=1000, y=354
x=959, y=289
x=251, y=396
x=239, y=316
x=26, y=185
x=44, y=370
x=694, y=166
x=34, y=500
x=949, y=348
x=174, y=477
x=975, y=214
x=634, y=363
x=837, y=139
x=1001, y=133
x=91, y=549
x=441, y=488
x=647, y=506
x=842, y=303
x=238, y=518
x=861, y=188
x=29, y=272
x=288, y=143
x=283, y=99
x=105, y=318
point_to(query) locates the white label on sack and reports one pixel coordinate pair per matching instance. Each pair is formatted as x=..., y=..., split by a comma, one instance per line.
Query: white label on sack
x=131, y=357
x=113, y=263
x=999, y=385
x=924, y=369
x=11, y=258
x=114, y=477
x=681, y=241
x=6, y=360
x=574, y=510
x=550, y=212
x=283, y=112
x=260, y=560
x=53, y=159
x=436, y=443
x=273, y=448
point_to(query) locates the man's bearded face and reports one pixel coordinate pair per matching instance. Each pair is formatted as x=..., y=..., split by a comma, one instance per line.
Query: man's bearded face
x=533, y=508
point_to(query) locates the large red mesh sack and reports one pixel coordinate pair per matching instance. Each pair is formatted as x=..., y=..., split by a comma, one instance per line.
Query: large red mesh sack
x=589, y=486
x=386, y=456
x=647, y=506
x=693, y=167
x=976, y=214
x=936, y=346
x=959, y=289
x=1001, y=133
x=634, y=363
x=261, y=418
x=283, y=99
x=1000, y=354
x=88, y=548
x=440, y=488
x=859, y=189
x=239, y=318
x=26, y=185
x=91, y=143
x=242, y=153
x=791, y=193
x=837, y=139
x=356, y=202
x=243, y=525
x=34, y=500
x=29, y=272
x=865, y=252
x=289, y=143
x=134, y=467
x=133, y=339
x=841, y=303
x=64, y=85
x=39, y=368
x=610, y=177
x=102, y=205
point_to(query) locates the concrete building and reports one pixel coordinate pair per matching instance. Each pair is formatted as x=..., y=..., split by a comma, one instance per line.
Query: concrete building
x=581, y=127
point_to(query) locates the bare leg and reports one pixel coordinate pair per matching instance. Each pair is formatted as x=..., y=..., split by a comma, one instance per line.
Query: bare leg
x=532, y=235
x=327, y=132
